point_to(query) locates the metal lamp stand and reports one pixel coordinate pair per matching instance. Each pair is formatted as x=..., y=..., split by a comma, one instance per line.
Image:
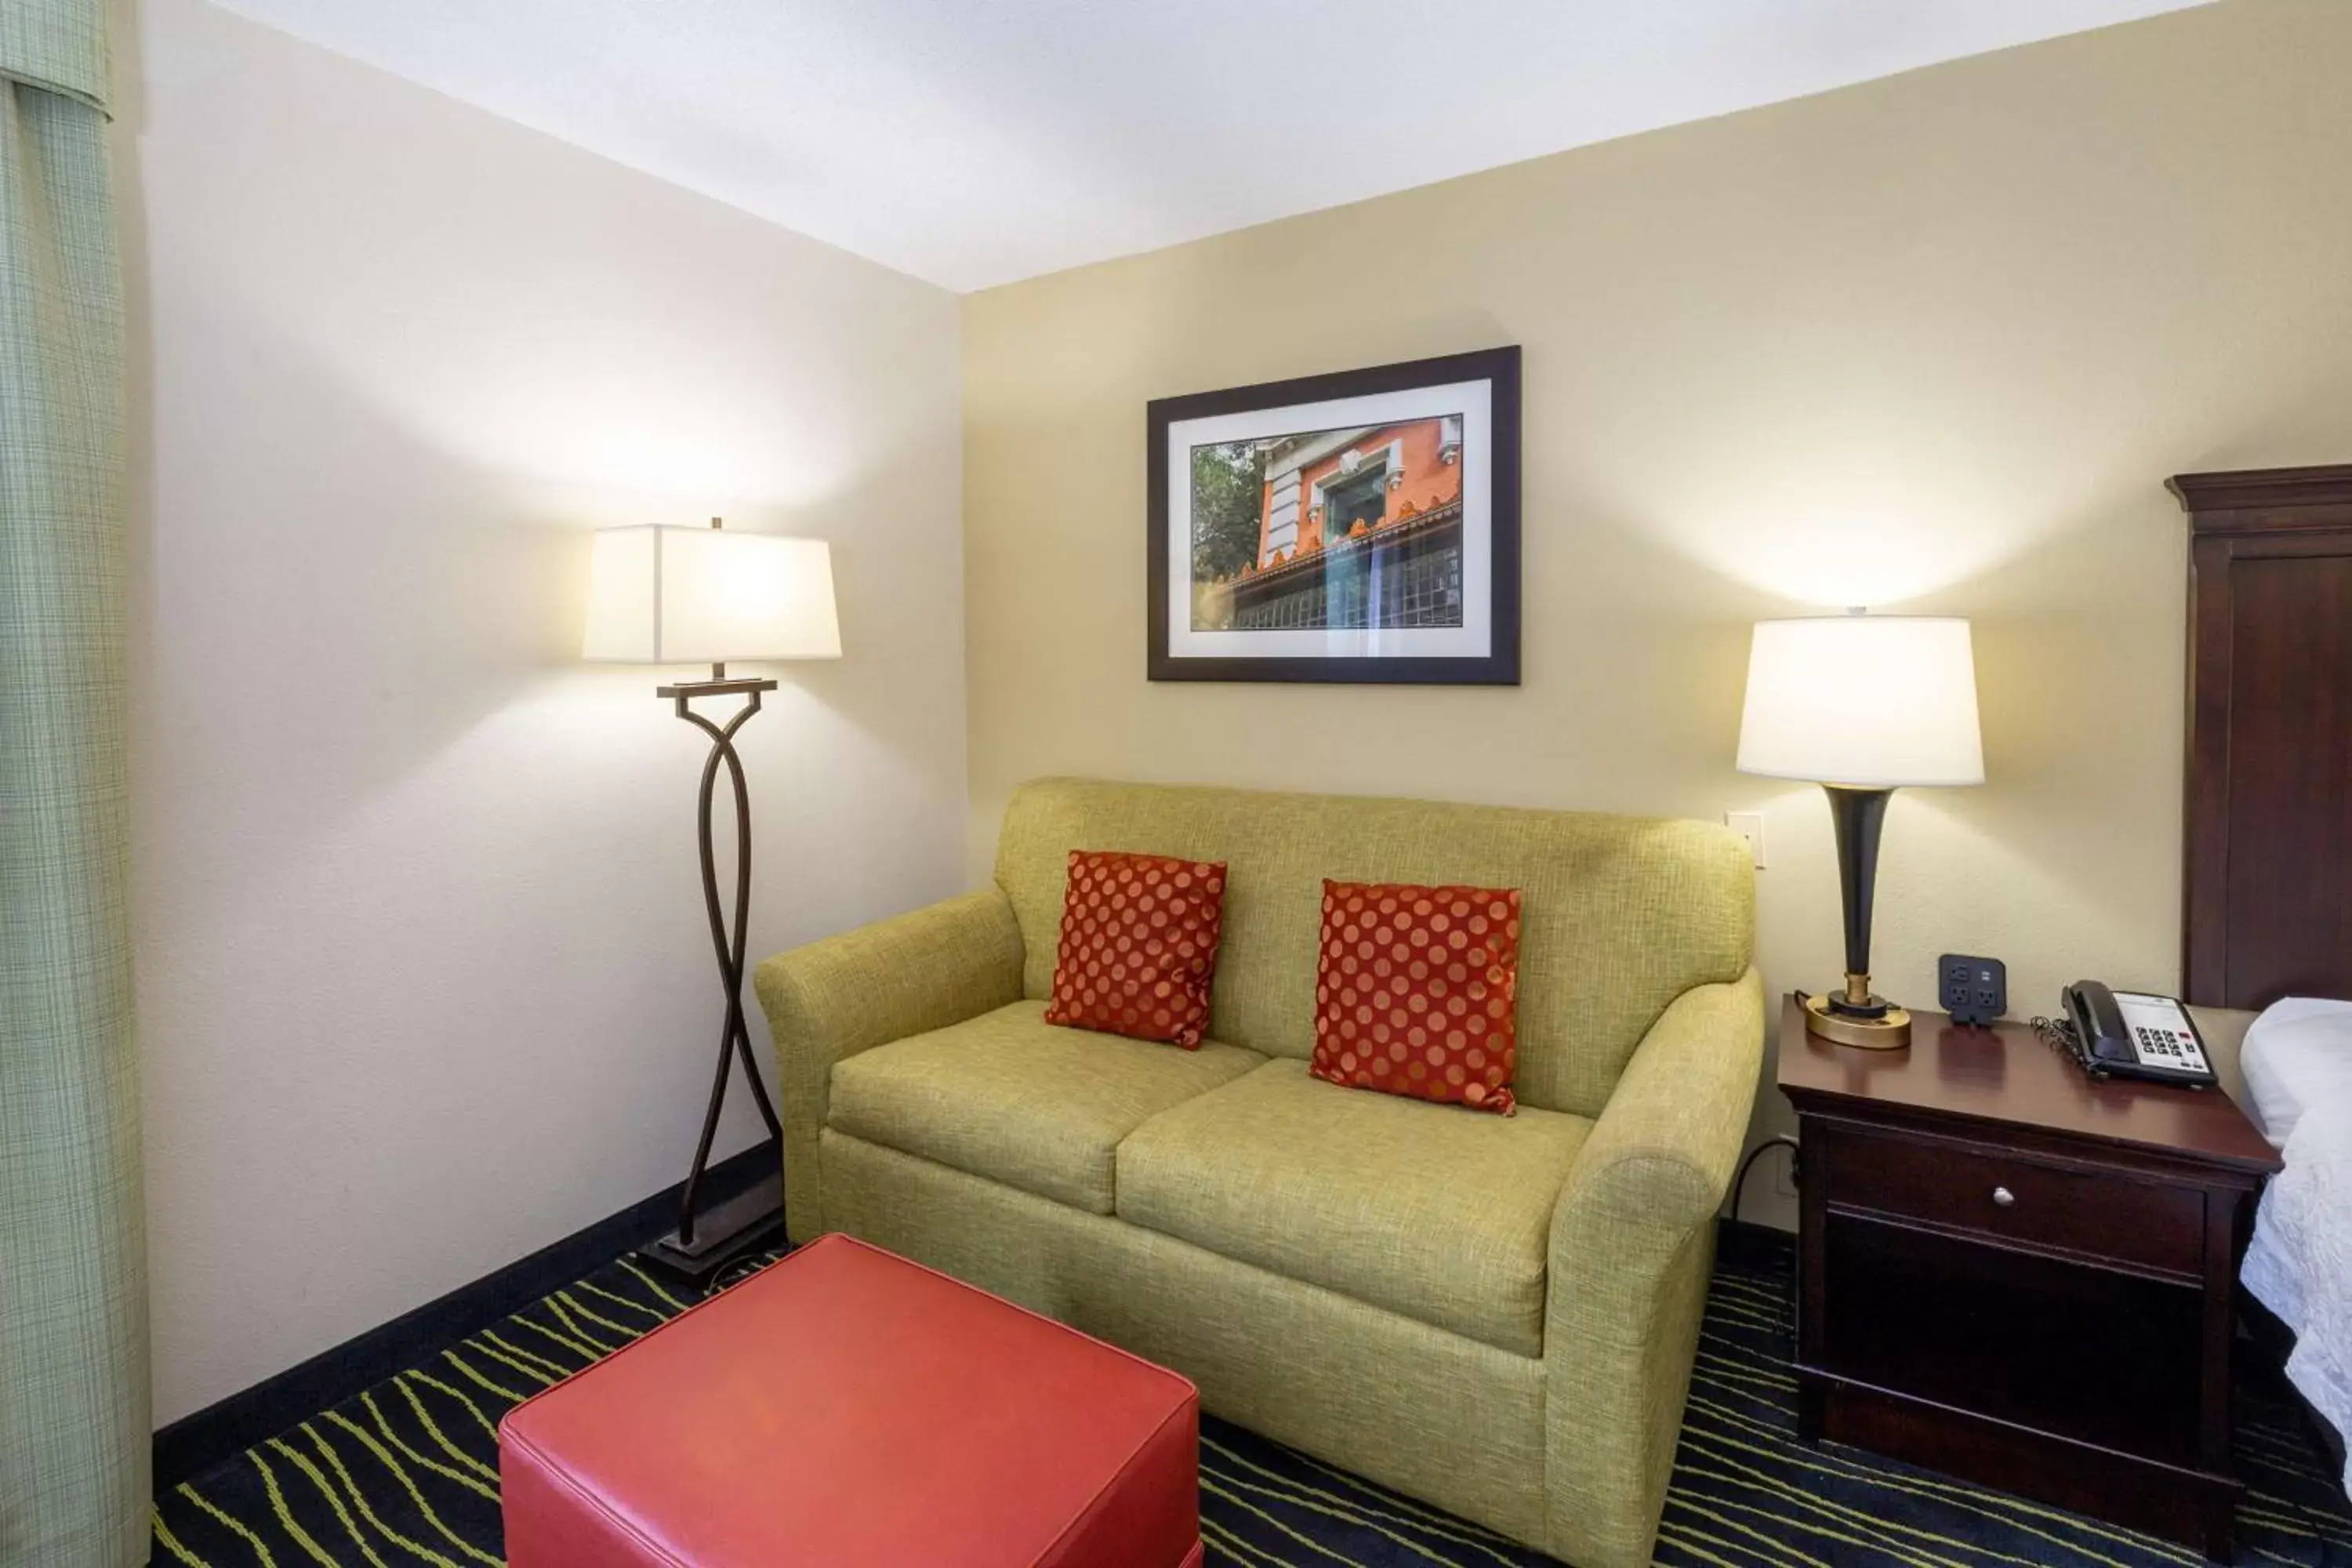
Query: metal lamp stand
x=705, y=1244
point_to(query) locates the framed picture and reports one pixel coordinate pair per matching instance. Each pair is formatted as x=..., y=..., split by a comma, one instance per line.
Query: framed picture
x=1361, y=526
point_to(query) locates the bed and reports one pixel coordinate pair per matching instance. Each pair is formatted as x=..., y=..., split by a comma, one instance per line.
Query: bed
x=2267, y=884
x=2297, y=1061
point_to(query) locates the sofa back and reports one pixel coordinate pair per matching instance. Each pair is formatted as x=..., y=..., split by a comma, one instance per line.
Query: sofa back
x=1619, y=915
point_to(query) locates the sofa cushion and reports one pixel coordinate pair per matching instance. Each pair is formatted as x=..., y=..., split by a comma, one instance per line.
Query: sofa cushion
x=1010, y=1097
x=1437, y=1211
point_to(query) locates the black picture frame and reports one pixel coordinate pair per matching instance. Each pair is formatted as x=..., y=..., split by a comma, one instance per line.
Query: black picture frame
x=1499, y=667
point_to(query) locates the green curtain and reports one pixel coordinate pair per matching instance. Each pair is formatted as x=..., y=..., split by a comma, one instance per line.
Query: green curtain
x=74, y=1416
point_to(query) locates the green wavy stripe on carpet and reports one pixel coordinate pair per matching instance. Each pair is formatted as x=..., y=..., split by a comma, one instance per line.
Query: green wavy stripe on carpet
x=406, y=1475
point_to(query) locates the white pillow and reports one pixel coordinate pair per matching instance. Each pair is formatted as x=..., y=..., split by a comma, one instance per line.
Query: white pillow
x=2298, y=1055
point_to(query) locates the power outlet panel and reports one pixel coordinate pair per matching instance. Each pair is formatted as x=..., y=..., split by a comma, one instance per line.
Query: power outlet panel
x=1972, y=990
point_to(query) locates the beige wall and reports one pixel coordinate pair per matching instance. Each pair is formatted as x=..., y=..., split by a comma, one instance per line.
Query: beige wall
x=1931, y=343
x=423, y=978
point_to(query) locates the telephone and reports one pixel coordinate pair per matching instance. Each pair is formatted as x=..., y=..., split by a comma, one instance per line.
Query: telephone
x=2131, y=1034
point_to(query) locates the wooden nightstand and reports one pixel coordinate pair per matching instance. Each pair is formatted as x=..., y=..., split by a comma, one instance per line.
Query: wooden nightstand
x=2015, y=1274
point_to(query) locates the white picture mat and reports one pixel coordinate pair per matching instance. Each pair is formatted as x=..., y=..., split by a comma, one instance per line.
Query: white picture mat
x=1472, y=400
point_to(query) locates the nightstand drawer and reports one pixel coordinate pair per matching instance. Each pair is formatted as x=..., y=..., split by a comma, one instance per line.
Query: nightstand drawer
x=2010, y=1198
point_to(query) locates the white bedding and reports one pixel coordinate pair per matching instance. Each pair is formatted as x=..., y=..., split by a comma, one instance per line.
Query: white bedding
x=2297, y=1054
x=2300, y=1264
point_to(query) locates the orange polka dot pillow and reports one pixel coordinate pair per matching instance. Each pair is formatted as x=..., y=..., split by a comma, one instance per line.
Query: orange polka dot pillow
x=1417, y=992
x=1139, y=946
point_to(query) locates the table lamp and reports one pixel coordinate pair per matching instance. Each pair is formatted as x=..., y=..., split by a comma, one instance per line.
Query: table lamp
x=664, y=595
x=1861, y=705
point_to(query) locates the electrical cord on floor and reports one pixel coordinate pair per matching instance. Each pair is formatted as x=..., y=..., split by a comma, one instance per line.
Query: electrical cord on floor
x=1728, y=1225
x=1739, y=1182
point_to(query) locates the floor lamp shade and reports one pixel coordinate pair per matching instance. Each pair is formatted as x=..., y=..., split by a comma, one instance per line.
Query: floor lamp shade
x=1861, y=705
x=709, y=596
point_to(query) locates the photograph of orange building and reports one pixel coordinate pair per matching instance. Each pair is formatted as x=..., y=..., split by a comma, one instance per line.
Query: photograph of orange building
x=1349, y=527
x=1355, y=526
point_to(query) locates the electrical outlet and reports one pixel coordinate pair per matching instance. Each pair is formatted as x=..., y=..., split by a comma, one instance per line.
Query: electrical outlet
x=1784, y=1175
x=1972, y=990
x=1749, y=825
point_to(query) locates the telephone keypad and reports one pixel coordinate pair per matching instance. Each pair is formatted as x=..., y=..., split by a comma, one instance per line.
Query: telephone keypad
x=2160, y=1034
x=2168, y=1047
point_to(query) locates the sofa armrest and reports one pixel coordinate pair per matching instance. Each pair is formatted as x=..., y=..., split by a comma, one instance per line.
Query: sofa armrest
x=847, y=994
x=1633, y=1244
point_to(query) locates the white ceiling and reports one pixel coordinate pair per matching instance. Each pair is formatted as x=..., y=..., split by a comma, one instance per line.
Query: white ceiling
x=976, y=142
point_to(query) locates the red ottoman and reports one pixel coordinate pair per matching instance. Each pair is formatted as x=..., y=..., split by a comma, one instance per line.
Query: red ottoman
x=849, y=1409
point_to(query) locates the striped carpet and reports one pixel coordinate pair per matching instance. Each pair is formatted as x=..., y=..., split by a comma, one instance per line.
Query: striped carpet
x=405, y=1474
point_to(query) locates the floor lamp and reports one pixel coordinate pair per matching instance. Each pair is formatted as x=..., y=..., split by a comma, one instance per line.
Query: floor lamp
x=664, y=595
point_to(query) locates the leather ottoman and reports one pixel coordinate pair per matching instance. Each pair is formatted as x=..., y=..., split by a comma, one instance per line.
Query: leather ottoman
x=846, y=1408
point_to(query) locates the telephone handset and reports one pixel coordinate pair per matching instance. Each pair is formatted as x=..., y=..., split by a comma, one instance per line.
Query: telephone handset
x=2132, y=1034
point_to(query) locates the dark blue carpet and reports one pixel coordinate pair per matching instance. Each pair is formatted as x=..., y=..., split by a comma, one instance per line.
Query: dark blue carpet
x=406, y=1474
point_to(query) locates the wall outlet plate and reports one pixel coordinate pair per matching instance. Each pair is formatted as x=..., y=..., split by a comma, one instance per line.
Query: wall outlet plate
x=1972, y=990
x=1749, y=825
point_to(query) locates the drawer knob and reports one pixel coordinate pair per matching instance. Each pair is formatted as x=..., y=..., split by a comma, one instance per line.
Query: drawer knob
x=2003, y=1197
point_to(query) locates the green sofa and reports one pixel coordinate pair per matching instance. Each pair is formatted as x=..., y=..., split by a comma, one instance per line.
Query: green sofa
x=1495, y=1315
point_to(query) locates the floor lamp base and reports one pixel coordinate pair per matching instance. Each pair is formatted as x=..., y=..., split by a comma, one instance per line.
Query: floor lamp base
x=724, y=1233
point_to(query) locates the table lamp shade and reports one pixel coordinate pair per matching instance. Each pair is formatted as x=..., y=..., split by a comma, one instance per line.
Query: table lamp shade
x=1868, y=701
x=709, y=596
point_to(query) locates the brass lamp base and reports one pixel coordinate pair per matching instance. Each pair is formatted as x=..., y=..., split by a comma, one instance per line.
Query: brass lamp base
x=1885, y=1033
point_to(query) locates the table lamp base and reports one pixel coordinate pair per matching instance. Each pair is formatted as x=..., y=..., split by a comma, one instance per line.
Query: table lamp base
x=1885, y=1027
